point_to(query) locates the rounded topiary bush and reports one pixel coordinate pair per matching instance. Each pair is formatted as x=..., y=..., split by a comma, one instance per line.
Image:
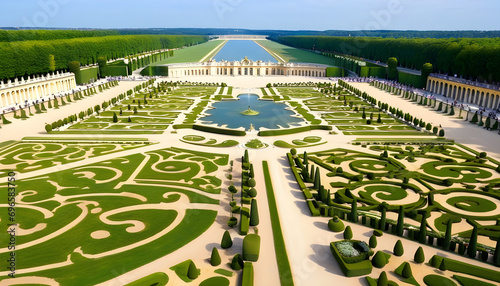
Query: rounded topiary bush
x=373, y=241
x=378, y=232
x=233, y=221
x=335, y=224
x=379, y=260
x=252, y=192
x=348, y=232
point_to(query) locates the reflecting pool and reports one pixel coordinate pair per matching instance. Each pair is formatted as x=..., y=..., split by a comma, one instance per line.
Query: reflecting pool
x=270, y=115
x=236, y=50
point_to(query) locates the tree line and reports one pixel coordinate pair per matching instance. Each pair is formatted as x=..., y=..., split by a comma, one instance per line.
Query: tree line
x=40, y=35
x=25, y=58
x=472, y=58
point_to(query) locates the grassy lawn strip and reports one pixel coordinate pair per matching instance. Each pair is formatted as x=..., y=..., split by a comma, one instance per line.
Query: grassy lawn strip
x=403, y=140
x=190, y=54
x=264, y=92
x=474, y=270
x=279, y=242
x=115, y=139
x=295, y=55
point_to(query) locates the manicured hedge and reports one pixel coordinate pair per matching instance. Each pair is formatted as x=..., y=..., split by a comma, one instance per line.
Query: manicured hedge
x=466, y=281
x=438, y=280
x=293, y=130
x=244, y=220
x=351, y=269
x=87, y=74
x=462, y=267
x=335, y=72
x=247, y=279
x=313, y=207
x=251, y=247
x=158, y=278
x=116, y=71
x=211, y=129
x=155, y=71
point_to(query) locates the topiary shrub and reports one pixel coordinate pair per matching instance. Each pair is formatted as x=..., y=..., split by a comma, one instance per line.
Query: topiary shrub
x=215, y=257
x=237, y=262
x=227, y=241
x=382, y=279
x=407, y=273
x=335, y=224
x=251, y=247
x=233, y=221
x=398, y=248
x=254, y=213
x=252, y=192
x=379, y=260
x=378, y=232
x=48, y=128
x=373, y=241
x=419, y=256
x=193, y=272
x=348, y=232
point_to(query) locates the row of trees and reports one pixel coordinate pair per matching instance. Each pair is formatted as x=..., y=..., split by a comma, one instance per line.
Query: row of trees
x=41, y=35
x=38, y=57
x=475, y=58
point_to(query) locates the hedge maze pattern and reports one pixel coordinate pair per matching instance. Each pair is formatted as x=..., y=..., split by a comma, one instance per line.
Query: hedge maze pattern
x=91, y=223
x=435, y=182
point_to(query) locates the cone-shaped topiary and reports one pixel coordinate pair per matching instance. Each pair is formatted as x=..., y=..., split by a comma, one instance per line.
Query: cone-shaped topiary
x=434, y=262
x=237, y=262
x=379, y=260
x=254, y=213
x=354, y=211
x=398, y=248
x=193, y=272
x=115, y=118
x=348, y=232
x=226, y=242
x=419, y=256
x=382, y=279
x=447, y=236
x=472, y=248
x=215, y=257
x=373, y=241
x=407, y=271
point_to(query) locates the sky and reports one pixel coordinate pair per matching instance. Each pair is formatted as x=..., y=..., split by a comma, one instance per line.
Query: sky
x=254, y=14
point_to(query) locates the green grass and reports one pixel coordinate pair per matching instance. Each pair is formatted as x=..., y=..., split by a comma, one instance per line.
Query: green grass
x=474, y=270
x=283, y=262
x=157, y=279
x=438, y=280
x=215, y=281
x=27, y=157
x=80, y=139
x=466, y=281
x=224, y=272
x=190, y=54
x=295, y=55
x=69, y=194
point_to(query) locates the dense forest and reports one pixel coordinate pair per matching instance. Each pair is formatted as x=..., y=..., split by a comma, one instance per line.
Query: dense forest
x=41, y=35
x=473, y=58
x=23, y=58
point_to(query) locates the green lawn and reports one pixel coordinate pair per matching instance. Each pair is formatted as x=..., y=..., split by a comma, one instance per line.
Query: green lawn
x=159, y=203
x=295, y=55
x=190, y=54
x=279, y=243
